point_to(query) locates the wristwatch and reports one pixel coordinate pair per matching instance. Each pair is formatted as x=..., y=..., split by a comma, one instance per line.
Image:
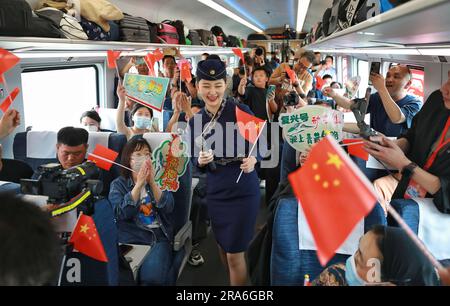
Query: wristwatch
x=408, y=170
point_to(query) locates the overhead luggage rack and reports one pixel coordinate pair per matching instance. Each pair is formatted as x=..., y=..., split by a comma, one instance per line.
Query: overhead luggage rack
x=58, y=45
x=415, y=24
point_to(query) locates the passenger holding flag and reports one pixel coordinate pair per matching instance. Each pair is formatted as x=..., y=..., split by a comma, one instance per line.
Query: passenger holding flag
x=232, y=206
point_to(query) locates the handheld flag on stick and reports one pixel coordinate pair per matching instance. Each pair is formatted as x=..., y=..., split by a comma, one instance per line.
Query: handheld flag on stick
x=291, y=74
x=7, y=60
x=330, y=187
x=239, y=53
x=185, y=71
x=86, y=240
x=103, y=157
x=355, y=148
x=158, y=55
x=112, y=61
x=150, y=60
x=250, y=127
x=9, y=100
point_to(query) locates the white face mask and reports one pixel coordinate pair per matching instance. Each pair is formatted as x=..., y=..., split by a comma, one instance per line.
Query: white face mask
x=138, y=162
x=142, y=122
x=90, y=128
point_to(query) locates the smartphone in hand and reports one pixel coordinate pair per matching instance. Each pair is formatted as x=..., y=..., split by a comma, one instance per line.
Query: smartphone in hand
x=271, y=89
x=375, y=67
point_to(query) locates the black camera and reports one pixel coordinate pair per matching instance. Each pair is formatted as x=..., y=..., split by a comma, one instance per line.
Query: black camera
x=291, y=99
x=65, y=186
x=259, y=51
x=323, y=62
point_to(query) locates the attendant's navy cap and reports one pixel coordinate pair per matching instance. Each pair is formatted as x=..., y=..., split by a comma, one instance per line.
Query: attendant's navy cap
x=211, y=70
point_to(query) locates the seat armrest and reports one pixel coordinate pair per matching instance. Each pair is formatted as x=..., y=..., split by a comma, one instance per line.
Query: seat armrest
x=182, y=236
x=135, y=255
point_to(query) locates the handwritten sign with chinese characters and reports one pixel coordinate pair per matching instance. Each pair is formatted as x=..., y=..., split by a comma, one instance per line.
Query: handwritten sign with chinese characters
x=170, y=162
x=146, y=90
x=308, y=125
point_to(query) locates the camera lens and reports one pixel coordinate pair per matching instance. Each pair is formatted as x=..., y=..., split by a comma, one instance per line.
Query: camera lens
x=259, y=51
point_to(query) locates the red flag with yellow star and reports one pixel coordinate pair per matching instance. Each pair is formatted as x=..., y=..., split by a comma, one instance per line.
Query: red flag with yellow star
x=185, y=71
x=334, y=195
x=86, y=240
x=249, y=126
x=112, y=58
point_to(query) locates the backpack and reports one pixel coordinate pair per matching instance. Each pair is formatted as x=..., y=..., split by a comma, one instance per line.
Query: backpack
x=347, y=12
x=216, y=30
x=233, y=41
x=326, y=21
x=94, y=31
x=372, y=8
x=194, y=38
x=179, y=26
x=16, y=19
x=67, y=24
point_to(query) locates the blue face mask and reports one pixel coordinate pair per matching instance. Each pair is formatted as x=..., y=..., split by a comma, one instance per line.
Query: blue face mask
x=142, y=123
x=351, y=276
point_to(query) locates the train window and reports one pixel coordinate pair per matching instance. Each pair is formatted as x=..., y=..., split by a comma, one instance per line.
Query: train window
x=57, y=97
x=363, y=72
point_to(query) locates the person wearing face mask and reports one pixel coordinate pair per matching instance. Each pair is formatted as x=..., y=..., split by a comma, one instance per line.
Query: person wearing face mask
x=143, y=213
x=91, y=121
x=141, y=115
x=385, y=256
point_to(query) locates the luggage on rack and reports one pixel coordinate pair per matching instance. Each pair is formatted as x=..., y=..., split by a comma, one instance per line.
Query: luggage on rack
x=326, y=21
x=206, y=37
x=233, y=41
x=179, y=27
x=153, y=28
x=134, y=29
x=168, y=33
x=222, y=39
x=258, y=37
x=94, y=31
x=16, y=19
x=333, y=25
x=194, y=38
x=372, y=8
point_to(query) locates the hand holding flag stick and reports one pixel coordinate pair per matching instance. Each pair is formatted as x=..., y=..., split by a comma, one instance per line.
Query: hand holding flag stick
x=112, y=57
x=251, y=150
x=250, y=128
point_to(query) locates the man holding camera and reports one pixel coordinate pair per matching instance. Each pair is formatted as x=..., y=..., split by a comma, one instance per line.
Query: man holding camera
x=326, y=67
x=391, y=108
x=303, y=81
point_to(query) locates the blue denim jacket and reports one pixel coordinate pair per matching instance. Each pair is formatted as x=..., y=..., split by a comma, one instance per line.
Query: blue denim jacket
x=127, y=210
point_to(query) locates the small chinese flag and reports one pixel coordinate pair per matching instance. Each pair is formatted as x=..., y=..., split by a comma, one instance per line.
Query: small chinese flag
x=86, y=240
x=103, y=157
x=290, y=73
x=185, y=71
x=9, y=100
x=358, y=149
x=158, y=55
x=239, y=53
x=334, y=195
x=7, y=60
x=112, y=58
x=249, y=126
x=150, y=61
x=319, y=82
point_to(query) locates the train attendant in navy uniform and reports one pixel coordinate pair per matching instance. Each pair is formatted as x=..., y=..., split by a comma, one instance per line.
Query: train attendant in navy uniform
x=232, y=206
